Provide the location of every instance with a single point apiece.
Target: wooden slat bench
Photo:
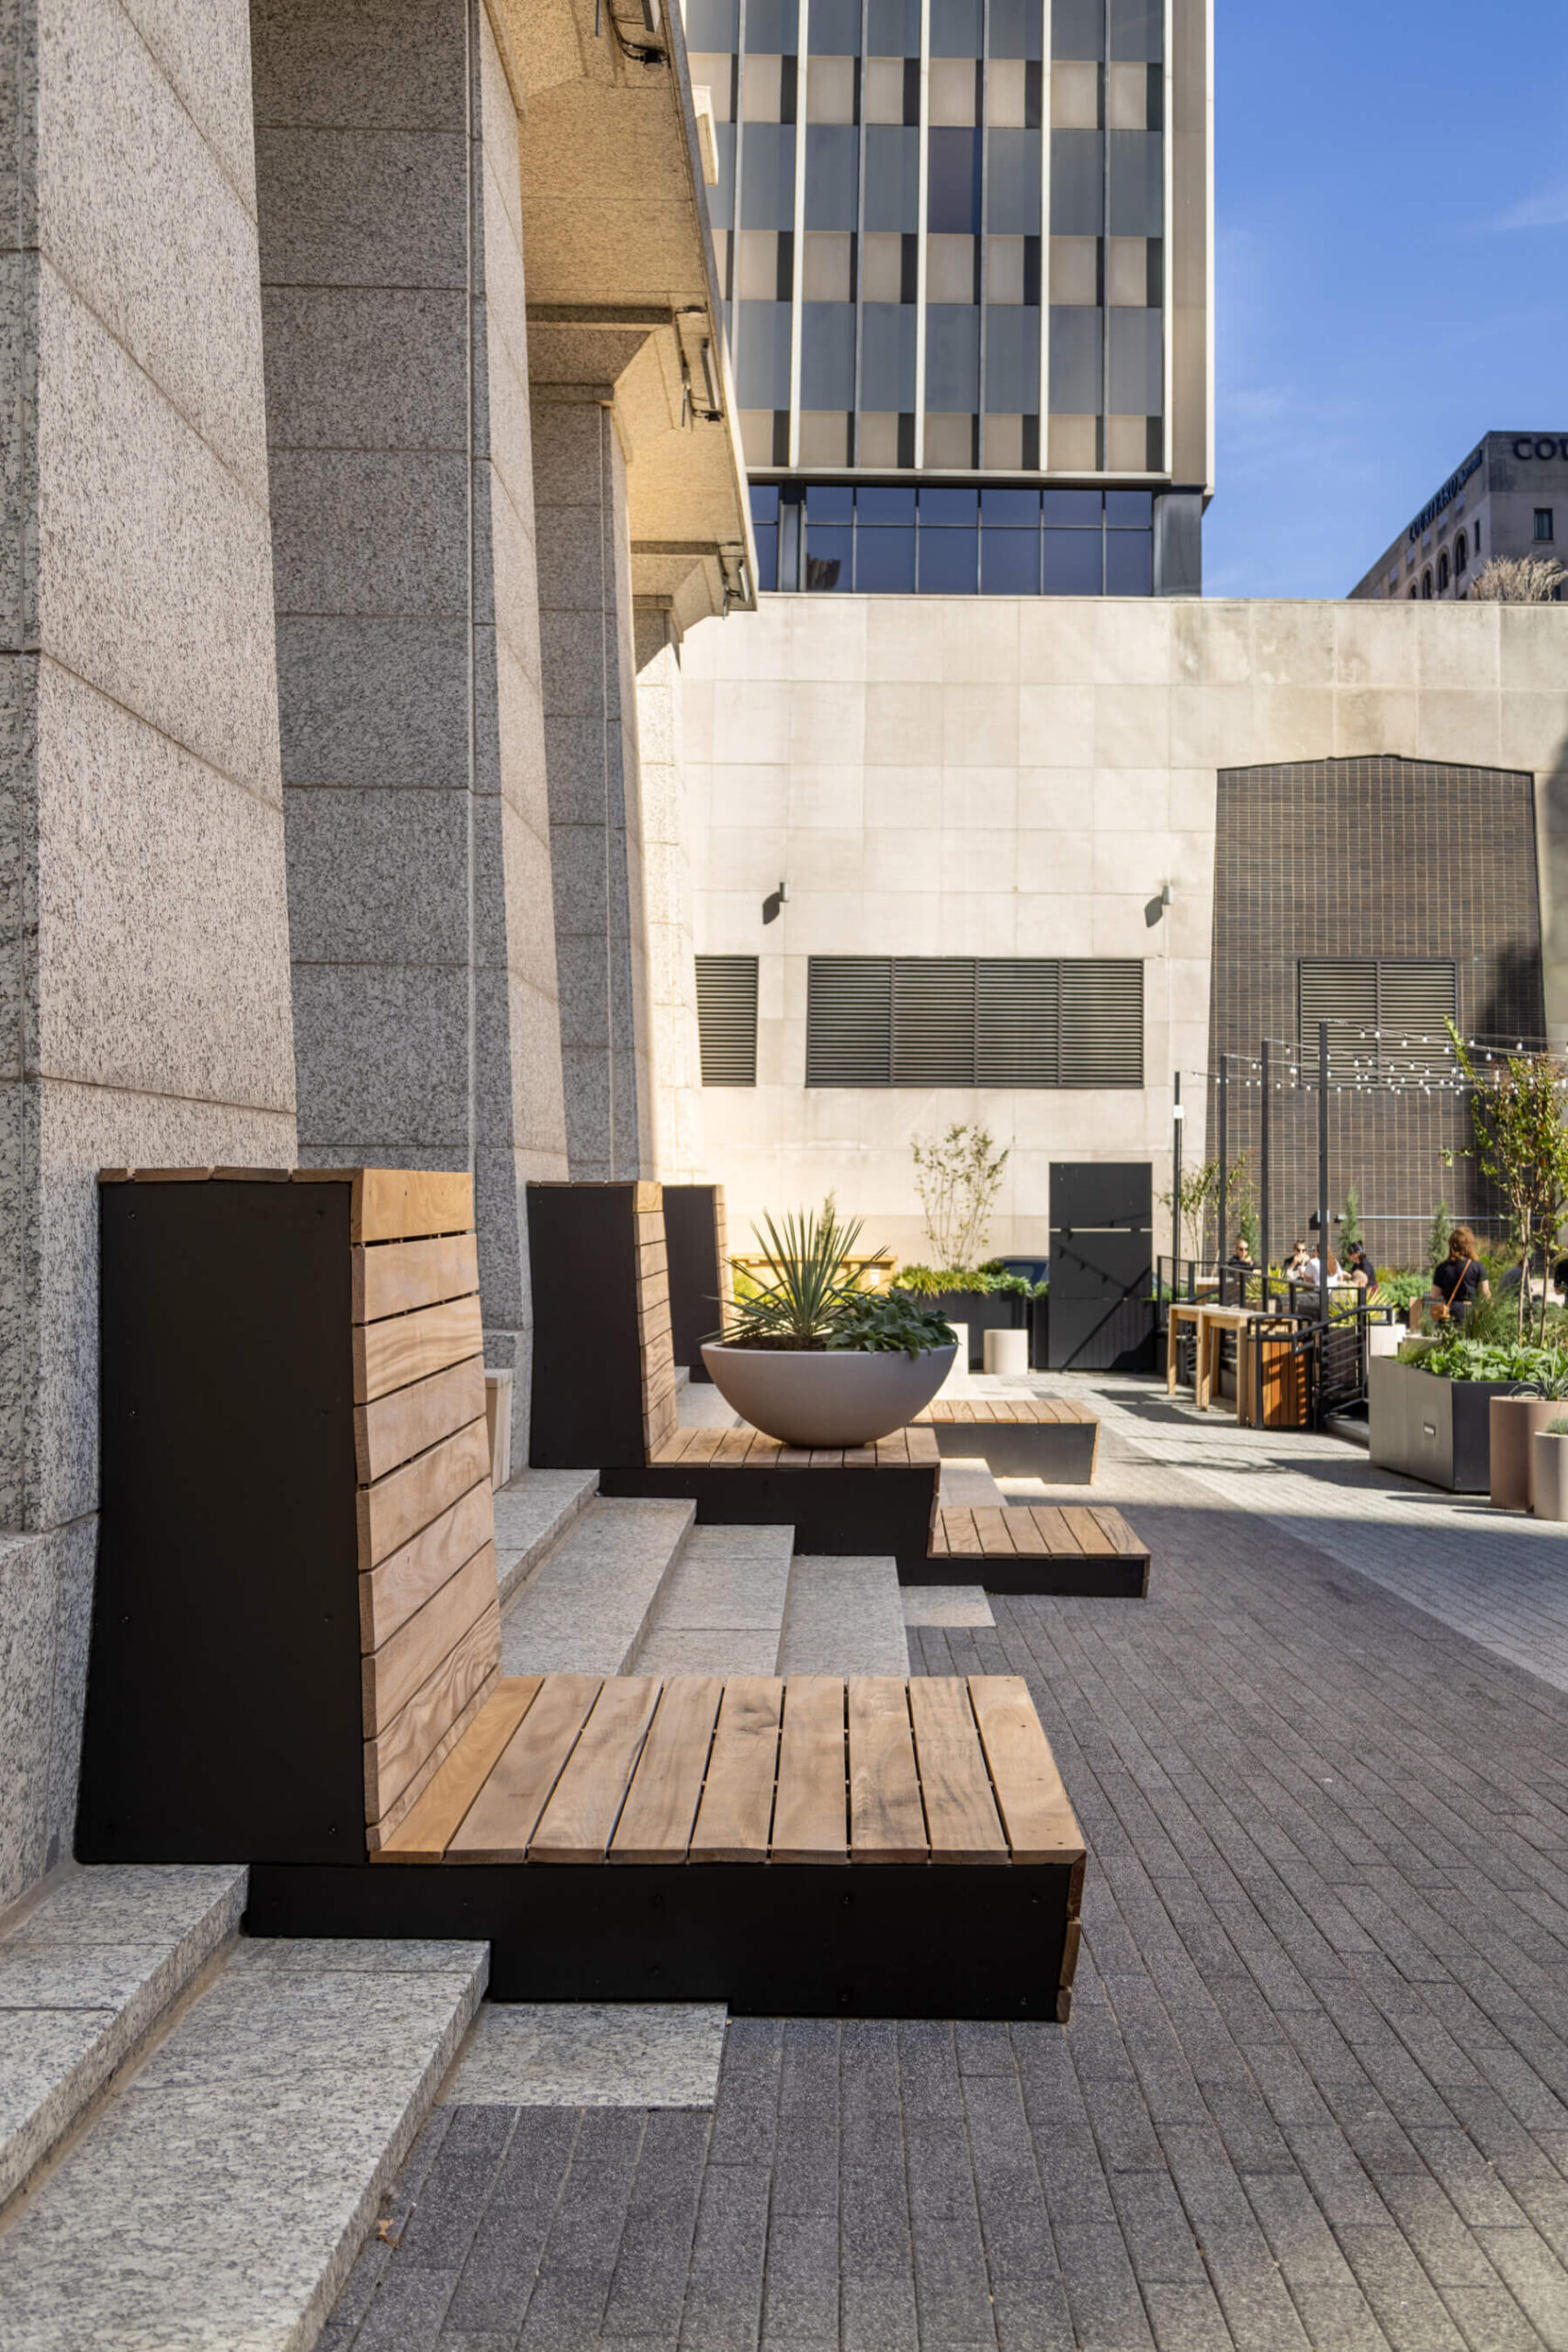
(1018, 1437)
(1035, 1547)
(296, 1663)
(804, 1846)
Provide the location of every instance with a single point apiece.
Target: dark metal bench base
(860, 1513)
(1124, 1579)
(1061, 1454)
(770, 1939)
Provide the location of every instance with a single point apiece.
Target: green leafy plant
(1400, 1288)
(1519, 1114)
(814, 1302)
(1199, 1192)
(1437, 1237)
(1558, 1426)
(958, 1177)
(880, 1322)
(1351, 1233)
(1461, 1358)
(988, 1281)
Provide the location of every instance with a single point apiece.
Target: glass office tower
(965, 249)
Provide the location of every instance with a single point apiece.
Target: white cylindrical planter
(1386, 1338)
(1006, 1352)
(1549, 1475)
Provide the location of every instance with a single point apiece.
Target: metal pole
(1176, 1119)
(1323, 1230)
(1263, 1179)
(1223, 1210)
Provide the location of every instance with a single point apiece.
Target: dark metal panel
(223, 1689)
(1101, 1193)
(691, 1238)
(586, 1407)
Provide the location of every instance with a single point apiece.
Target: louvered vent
(1386, 1013)
(849, 1020)
(1014, 1020)
(727, 1019)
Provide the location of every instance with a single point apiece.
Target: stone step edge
(515, 1570)
(605, 1503)
(26, 2152)
(677, 1551)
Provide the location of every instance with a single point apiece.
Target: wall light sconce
(1166, 894)
(774, 901)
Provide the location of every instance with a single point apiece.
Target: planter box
(1438, 1431)
(983, 1311)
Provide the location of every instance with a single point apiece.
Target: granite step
(590, 1600)
(220, 2195)
(87, 1971)
(843, 1615)
(722, 1609)
(533, 1511)
(964, 1481)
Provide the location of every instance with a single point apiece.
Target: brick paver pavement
(1314, 2088)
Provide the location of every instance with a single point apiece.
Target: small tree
(1438, 1238)
(1519, 580)
(1248, 1223)
(1350, 1234)
(1520, 1117)
(1200, 1192)
(957, 1178)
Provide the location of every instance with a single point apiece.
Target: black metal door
(1101, 1266)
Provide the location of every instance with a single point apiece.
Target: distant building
(1510, 497)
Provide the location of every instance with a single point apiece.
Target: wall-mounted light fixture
(772, 903)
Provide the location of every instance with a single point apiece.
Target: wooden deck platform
(787, 1845)
(1018, 1437)
(1034, 1547)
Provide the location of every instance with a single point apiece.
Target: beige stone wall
(992, 777)
(143, 941)
(677, 1099)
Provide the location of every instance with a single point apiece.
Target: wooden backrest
(429, 1617)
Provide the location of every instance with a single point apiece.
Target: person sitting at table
(1361, 1272)
(1242, 1254)
(1296, 1263)
(1311, 1272)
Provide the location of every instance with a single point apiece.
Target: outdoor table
(1213, 1324)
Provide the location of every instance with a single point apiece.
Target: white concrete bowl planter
(826, 1398)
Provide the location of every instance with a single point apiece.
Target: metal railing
(1304, 1368)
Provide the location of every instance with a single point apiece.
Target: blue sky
(1392, 224)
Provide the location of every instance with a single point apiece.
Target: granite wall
(425, 1016)
(144, 945)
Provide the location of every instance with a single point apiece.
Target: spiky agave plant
(804, 1302)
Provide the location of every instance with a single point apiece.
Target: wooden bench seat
(788, 1845)
(1022, 1548)
(1018, 1437)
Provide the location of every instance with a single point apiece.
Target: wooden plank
(397, 1427)
(1115, 1530)
(426, 1833)
(377, 1832)
(963, 1537)
(938, 1547)
(961, 1815)
(580, 1819)
(396, 1586)
(763, 1453)
(392, 1756)
(1034, 1808)
(398, 1504)
(1091, 1538)
(732, 1448)
(811, 1812)
(887, 1823)
(647, 1200)
(703, 1446)
(395, 1277)
(993, 1525)
(391, 1675)
(409, 1347)
(794, 1457)
(892, 1452)
(675, 1448)
(1059, 1536)
(505, 1813)
(737, 1809)
(1026, 1536)
(662, 1804)
(860, 1457)
(406, 1204)
(827, 1457)
(923, 1449)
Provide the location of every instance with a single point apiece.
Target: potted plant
(1549, 1469)
(982, 1298)
(1429, 1407)
(815, 1361)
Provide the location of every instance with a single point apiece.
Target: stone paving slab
(532, 1512)
(947, 1604)
(844, 1616)
(590, 1602)
(1314, 2091)
(590, 2054)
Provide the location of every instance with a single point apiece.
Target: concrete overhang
(623, 289)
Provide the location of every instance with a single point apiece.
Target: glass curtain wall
(942, 250)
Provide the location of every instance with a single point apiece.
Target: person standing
(1361, 1272)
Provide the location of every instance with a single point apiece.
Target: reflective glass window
(835, 27)
(832, 176)
(893, 174)
(885, 561)
(1015, 28)
(828, 501)
(828, 355)
(1010, 564)
(1129, 563)
(713, 25)
(1137, 364)
(1137, 184)
(895, 29)
(828, 556)
(952, 356)
(1073, 507)
(887, 357)
(952, 183)
(947, 561)
(1012, 193)
(1137, 29)
(1076, 352)
(770, 27)
(1015, 507)
(873, 506)
(762, 359)
(949, 507)
(1077, 27)
(767, 539)
(764, 501)
(1012, 359)
(1129, 509)
(1072, 563)
(955, 28)
(1078, 181)
(767, 180)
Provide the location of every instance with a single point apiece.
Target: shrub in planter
(985, 1299)
(813, 1359)
(1431, 1409)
